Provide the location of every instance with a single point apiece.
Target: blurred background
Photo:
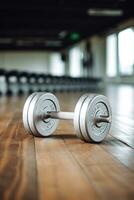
(57, 45)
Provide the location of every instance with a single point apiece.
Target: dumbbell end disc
(77, 112)
(25, 113)
(41, 104)
(93, 108)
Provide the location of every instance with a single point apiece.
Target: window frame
(118, 65)
(118, 71)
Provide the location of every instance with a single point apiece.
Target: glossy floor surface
(62, 166)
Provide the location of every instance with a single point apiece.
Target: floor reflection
(122, 100)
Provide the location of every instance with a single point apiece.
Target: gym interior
(67, 100)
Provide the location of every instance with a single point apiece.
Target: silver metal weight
(33, 114)
(92, 116)
(95, 118)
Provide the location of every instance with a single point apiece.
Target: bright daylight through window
(111, 56)
(126, 51)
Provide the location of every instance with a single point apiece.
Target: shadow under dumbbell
(65, 136)
(70, 137)
(60, 136)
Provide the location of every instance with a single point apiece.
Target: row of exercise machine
(15, 82)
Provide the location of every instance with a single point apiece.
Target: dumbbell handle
(70, 115)
(60, 115)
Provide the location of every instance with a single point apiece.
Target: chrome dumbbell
(92, 116)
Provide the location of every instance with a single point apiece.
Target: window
(75, 62)
(56, 64)
(126, 51)
(111, 55)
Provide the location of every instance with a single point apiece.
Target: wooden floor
(63, 167)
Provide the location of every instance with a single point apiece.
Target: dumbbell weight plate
(26, 110)
(40, 105)
(94, 107)
(77, 115)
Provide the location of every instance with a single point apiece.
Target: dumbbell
(12, 79)
(32, 81)
(3, 84)
(23, 82)
(40, 80)
(92, 116)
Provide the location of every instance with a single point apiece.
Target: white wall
(51, 63)
(98, 47)
(57, 66)
(75, 65)
(32, 61)
(99, 56)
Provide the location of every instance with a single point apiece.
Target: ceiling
(55, 24)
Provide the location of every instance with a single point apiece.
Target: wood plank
(110, 178)
(122, 98)
(107, 173)
(62, 166)
(18, 178)
(119, 150)
(59, 175)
